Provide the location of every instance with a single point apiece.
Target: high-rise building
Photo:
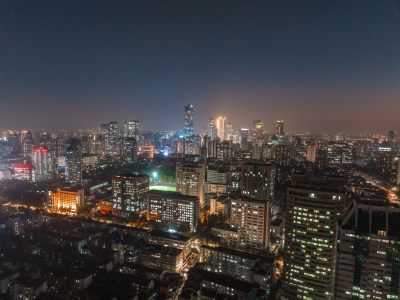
(257, 180)
(221, 128)
(111, 134)
(280, 128)
(131, 129)
(258, 132)
(313, 207)
(42, 164)
(190, 180)
(369, 253)
(73, 162)
(129, 150)
(212, 129)
(96, 144)
(174, 208)
(251, 216)
(67, 199)
(51, 143)
(27, 144)
(189, 111)
(130, 192)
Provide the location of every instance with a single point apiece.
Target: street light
(154, 175)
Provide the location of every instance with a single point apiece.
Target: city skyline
(323, 66)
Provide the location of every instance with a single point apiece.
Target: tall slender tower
(189, 112)
(220, 125)
(73, 162)
(280, 128)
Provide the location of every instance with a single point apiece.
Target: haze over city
(322, 66)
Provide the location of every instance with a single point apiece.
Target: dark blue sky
(320, 65)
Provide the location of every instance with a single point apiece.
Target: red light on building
(41, 149)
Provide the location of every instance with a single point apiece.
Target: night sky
(320, 65)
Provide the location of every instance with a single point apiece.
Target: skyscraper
(42, 164)
(111, 134)
(130, 192)
(369, 253)
(221, 127)
(258, 132)
(27, 144)
(280, 128)
(257, 180)
(251, 216)
(212, 129)
(313, 207)
(73, 162)
(190, 180)
(131, 129)
(189, 111)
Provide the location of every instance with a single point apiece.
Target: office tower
(311, 153)
(212, 129)
(22, 172)
(67, 198)
(220, 124)
(280, 128)
(130, 192)
(42, 164)
(189, 111)
(384, 159)
(216, 180)
(111, 134)
(129, 149)
(174, 208)
(190, 180)
(283, 154)
(244, 138)
(313, 206)
(258, 132)
(73, 161)
(96, 144)
(131, 129)
(27, 144)
(52, 145)
(369, 253)
(257, 180)
(251, 216)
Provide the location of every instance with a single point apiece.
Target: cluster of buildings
(247, 215)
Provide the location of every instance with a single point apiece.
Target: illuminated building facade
(251, 216)
(147, 151)
(42, 164)
(369, 253)
(280, 128)
(129, 150)
(130, 192)
(27, 144)
(67, 199)
(190, 180)
(22, 172)
(189, 114)
(174, 208)
(212, 129)
(96, 144)
(131, 129)
(257, 180)
(111, 134)
(258, 132)
(73, 162)
(313, 207)
(220, 124)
